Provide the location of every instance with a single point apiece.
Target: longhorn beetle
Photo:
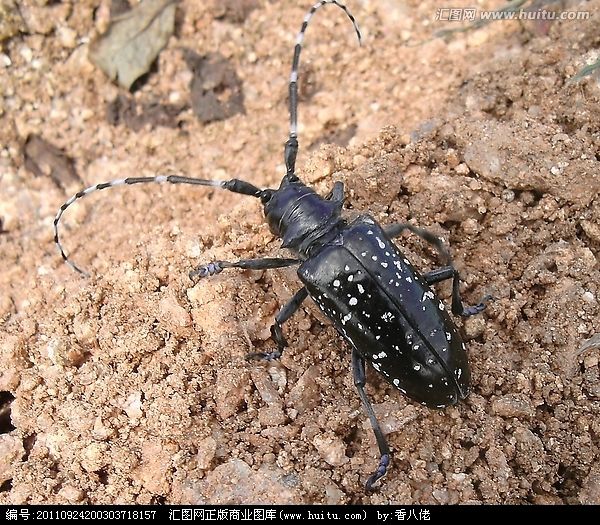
(376, 299)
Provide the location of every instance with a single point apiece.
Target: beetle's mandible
(376, 299)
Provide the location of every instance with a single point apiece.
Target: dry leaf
(133, 40)
(216, 89)
(45, 159)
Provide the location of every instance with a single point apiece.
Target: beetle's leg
(337, 192)
(289, 309)
(393, 230)
(444, 273)
(360, 380)
(439, 275)
(212, 268)
(449, 272)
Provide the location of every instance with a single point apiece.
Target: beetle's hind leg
(289, 309)
(215, 267)
(458, 308)
(442, 274)
(360, 380)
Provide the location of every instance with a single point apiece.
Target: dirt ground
(131, 386)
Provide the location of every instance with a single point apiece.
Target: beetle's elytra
(381, 305)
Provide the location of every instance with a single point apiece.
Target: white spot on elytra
(430, 385)
(346, 318)
(382, 355)
(448, 336)
(380, 242)
(374, 257)
(347, 268)
(396, 382)
(417, 367)
(384, 264)
(378, 337)
(370, 232)
(428, 295)
(458, 373)
(336, 283)
(353, 301)
(408, 280)
(360, 288)
(441, 306)
(364, 254)
(376, 366)
(350, 278)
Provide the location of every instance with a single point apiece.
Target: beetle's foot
(384, 463)
(264, 356)
(468, 311)
(206, 270)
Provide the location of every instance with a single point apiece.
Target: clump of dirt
(132, 386)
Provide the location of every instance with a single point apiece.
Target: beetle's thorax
(301, 217)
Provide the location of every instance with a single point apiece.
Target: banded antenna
(233, 185)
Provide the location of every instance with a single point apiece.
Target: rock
(133, 405)
(230, 391)
(206, 452)
(71, 494)
(154, 471)
(235, 482)
(331, 448)
(513, 405)
(590, 489)
(174, 317)
(94, 457)
(305, 394)
(11, 452)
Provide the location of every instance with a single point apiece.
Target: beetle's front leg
(215, 267)
(337, 192)
(289, 309)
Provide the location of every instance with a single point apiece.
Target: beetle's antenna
(233, 185)
(291, 146)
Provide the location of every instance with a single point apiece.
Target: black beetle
(375, 298)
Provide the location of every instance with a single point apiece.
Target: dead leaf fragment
(125, 110)
(216, 88)
(133, 41)
(45, 159)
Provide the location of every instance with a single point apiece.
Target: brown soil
(131, 386)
